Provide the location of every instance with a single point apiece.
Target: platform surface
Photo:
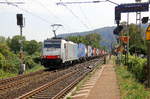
(102, 85)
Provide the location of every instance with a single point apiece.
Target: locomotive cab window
(53, 44)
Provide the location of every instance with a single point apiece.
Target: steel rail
(69, 87)
(40, 89)
(7, 80)
(13, 82)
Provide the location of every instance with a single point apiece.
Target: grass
(36, 68)
(4, 74)
(69, 97)
(129, 87)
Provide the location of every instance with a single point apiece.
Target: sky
(41, 14)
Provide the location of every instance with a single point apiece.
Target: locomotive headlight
(44, 57)
(58, 56)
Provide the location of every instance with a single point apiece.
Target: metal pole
(119, 53)
(54, 33)
(21, 52)
(128, 36)
(138, 23)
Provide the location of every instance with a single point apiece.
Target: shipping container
(89, 51)
(94, 52)
(81, 51)
(97, 52)
(71, 51)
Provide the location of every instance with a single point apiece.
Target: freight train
(58, 52)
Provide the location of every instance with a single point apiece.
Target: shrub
(137, 66)
(29, 62)
(130, 88)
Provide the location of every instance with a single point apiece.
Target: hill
(106, 34)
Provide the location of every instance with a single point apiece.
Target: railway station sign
(132, 7)
(148, 33)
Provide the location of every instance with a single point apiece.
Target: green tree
(4, 49)
(137, 44)
(2, 39)
(31, 46)
(90, 39)
(93, 40)
(15, 43)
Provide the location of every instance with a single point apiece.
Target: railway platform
(102, 85)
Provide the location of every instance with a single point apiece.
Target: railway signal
(118, 29)
(20, 24)
(20, 19)
(145, 20)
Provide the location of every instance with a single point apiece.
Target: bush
(29, 62)
(137, 66)
(36, 57)
(2, 58)
(130, 88)
(9, 55)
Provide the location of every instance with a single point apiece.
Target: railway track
(8, 80)
(60, 86)
(17, 81)
(40, 83)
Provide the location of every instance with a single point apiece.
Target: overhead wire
(56, 17)
(65, 5)
(112, 2)
(41, 18)
(48, 22)
(85, 17)
(32, 14)
(85, 25)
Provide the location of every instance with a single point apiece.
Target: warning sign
(124, 39)
(148, 33)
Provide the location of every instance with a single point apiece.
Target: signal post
(20, 24)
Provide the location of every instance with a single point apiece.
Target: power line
(41, 18)
(55, 16)
(85, 17)
(7, 2)
(34, 15)
(65, 4)
(76, 17)
(62, 3)
(112, 2)
(98, 1)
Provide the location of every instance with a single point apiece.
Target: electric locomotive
(56, 52)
